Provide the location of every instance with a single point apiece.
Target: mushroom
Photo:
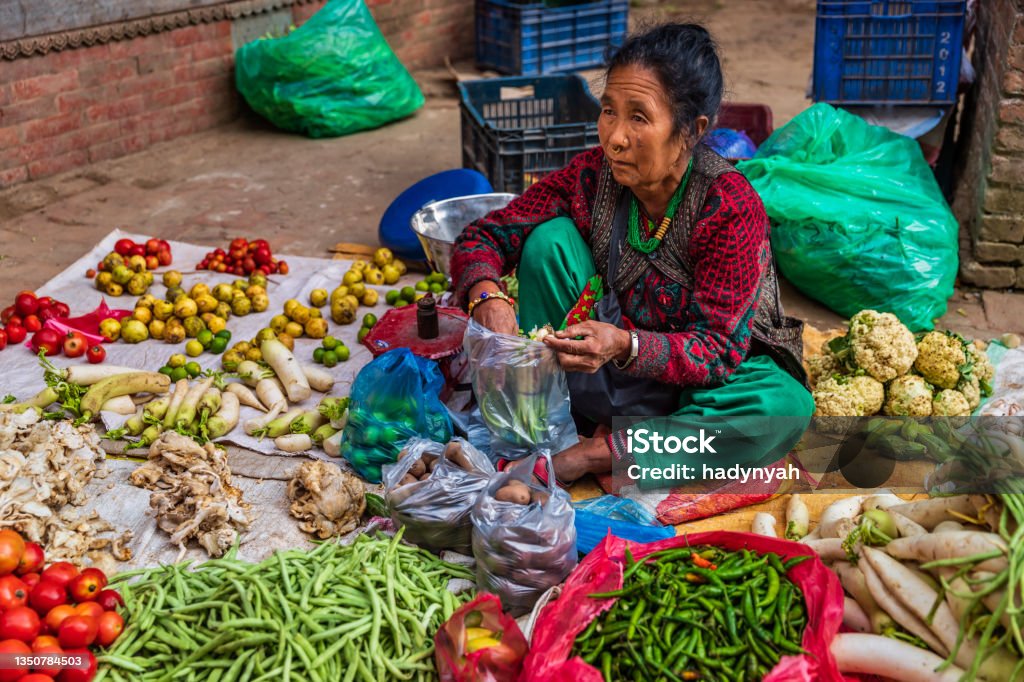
(326, 500)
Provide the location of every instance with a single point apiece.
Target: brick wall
(989, 201)
(69, 108)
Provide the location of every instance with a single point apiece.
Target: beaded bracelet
(487, 296)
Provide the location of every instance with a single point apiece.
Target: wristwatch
(634, 350)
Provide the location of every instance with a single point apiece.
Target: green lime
(318, 354)
(437, 277)
(408, 293)
(369, 319)
(166, 370)
(330, 343)
(177, 360)
(193, 348)
(178, 373)
(392, 296)
(342, 353)
(362, 334)
(330, 358)
(205, 337)
(224, 334)
(436, 288)
(218, 345)
(193, 369)
(422, 285)
(388, 435)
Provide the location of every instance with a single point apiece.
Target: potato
(432, 464)
(418, 469)
(403, 453)
(454, 454)
(407, 479)
(514, 491)
(539, 496)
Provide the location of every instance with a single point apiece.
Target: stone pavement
(304, 196)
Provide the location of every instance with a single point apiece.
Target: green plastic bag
(332, 76)
(858, 220)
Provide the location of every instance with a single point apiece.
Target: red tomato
(26, 304)
(110, 600)
(137, 250)
(31, 560)
(57, 614)
(95, 354)
(46, 301)
(75, 344)
(163, 256)
(6, 314)
(110, 627)
(15, 333)
(44, 645)
(47, 313)
(282, 267)
(43, 640)
(89, 608)
(33, 323)
(262, 256)
(60, 572)
(36, 677)
(21, 623)
(12, 546)
(239, 243)
(13, 647)
(62, 309)
(13, 592)
(47, 341)
(3, 339)
(30, 580)
(152, 246)
(47, 594)
(123, 246)
(77, 631)
(83, 671)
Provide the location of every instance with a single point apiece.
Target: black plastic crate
(534, 38)
(517, 130)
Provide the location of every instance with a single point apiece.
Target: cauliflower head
(822, 366)
(972, 392)
(950, 403)
(939, 359)
(879, 344)
(979, 368)
(840, 396)
(909, 396)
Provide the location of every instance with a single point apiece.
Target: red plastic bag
(601, 571)
(88, 325)
(494, 664)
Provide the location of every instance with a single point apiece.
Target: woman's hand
(601, 343)
(497, 315)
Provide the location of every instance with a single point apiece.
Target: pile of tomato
(51, 615)
(244, 258)
(27, 315)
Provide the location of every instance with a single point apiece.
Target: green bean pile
(364, 611)
(697, 613)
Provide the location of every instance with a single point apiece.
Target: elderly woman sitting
(672, 244)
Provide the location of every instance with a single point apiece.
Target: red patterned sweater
(687, 338)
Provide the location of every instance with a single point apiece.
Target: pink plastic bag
(601, 571)
(88, 325)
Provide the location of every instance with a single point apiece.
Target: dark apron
(611, 392)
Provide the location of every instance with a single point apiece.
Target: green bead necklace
(649, 245)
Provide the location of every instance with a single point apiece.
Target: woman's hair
(685, 59)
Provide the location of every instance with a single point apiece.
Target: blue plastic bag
(394, 398)
(619, 509)
(592, 528)
(732, 144)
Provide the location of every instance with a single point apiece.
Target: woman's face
(636, 129)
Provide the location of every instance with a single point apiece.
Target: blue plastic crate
(888, 51)
(533, 38)
(517, 130)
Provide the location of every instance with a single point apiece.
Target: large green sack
(858, 220)
(334, 75)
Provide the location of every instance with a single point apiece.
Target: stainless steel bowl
(438, 223)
